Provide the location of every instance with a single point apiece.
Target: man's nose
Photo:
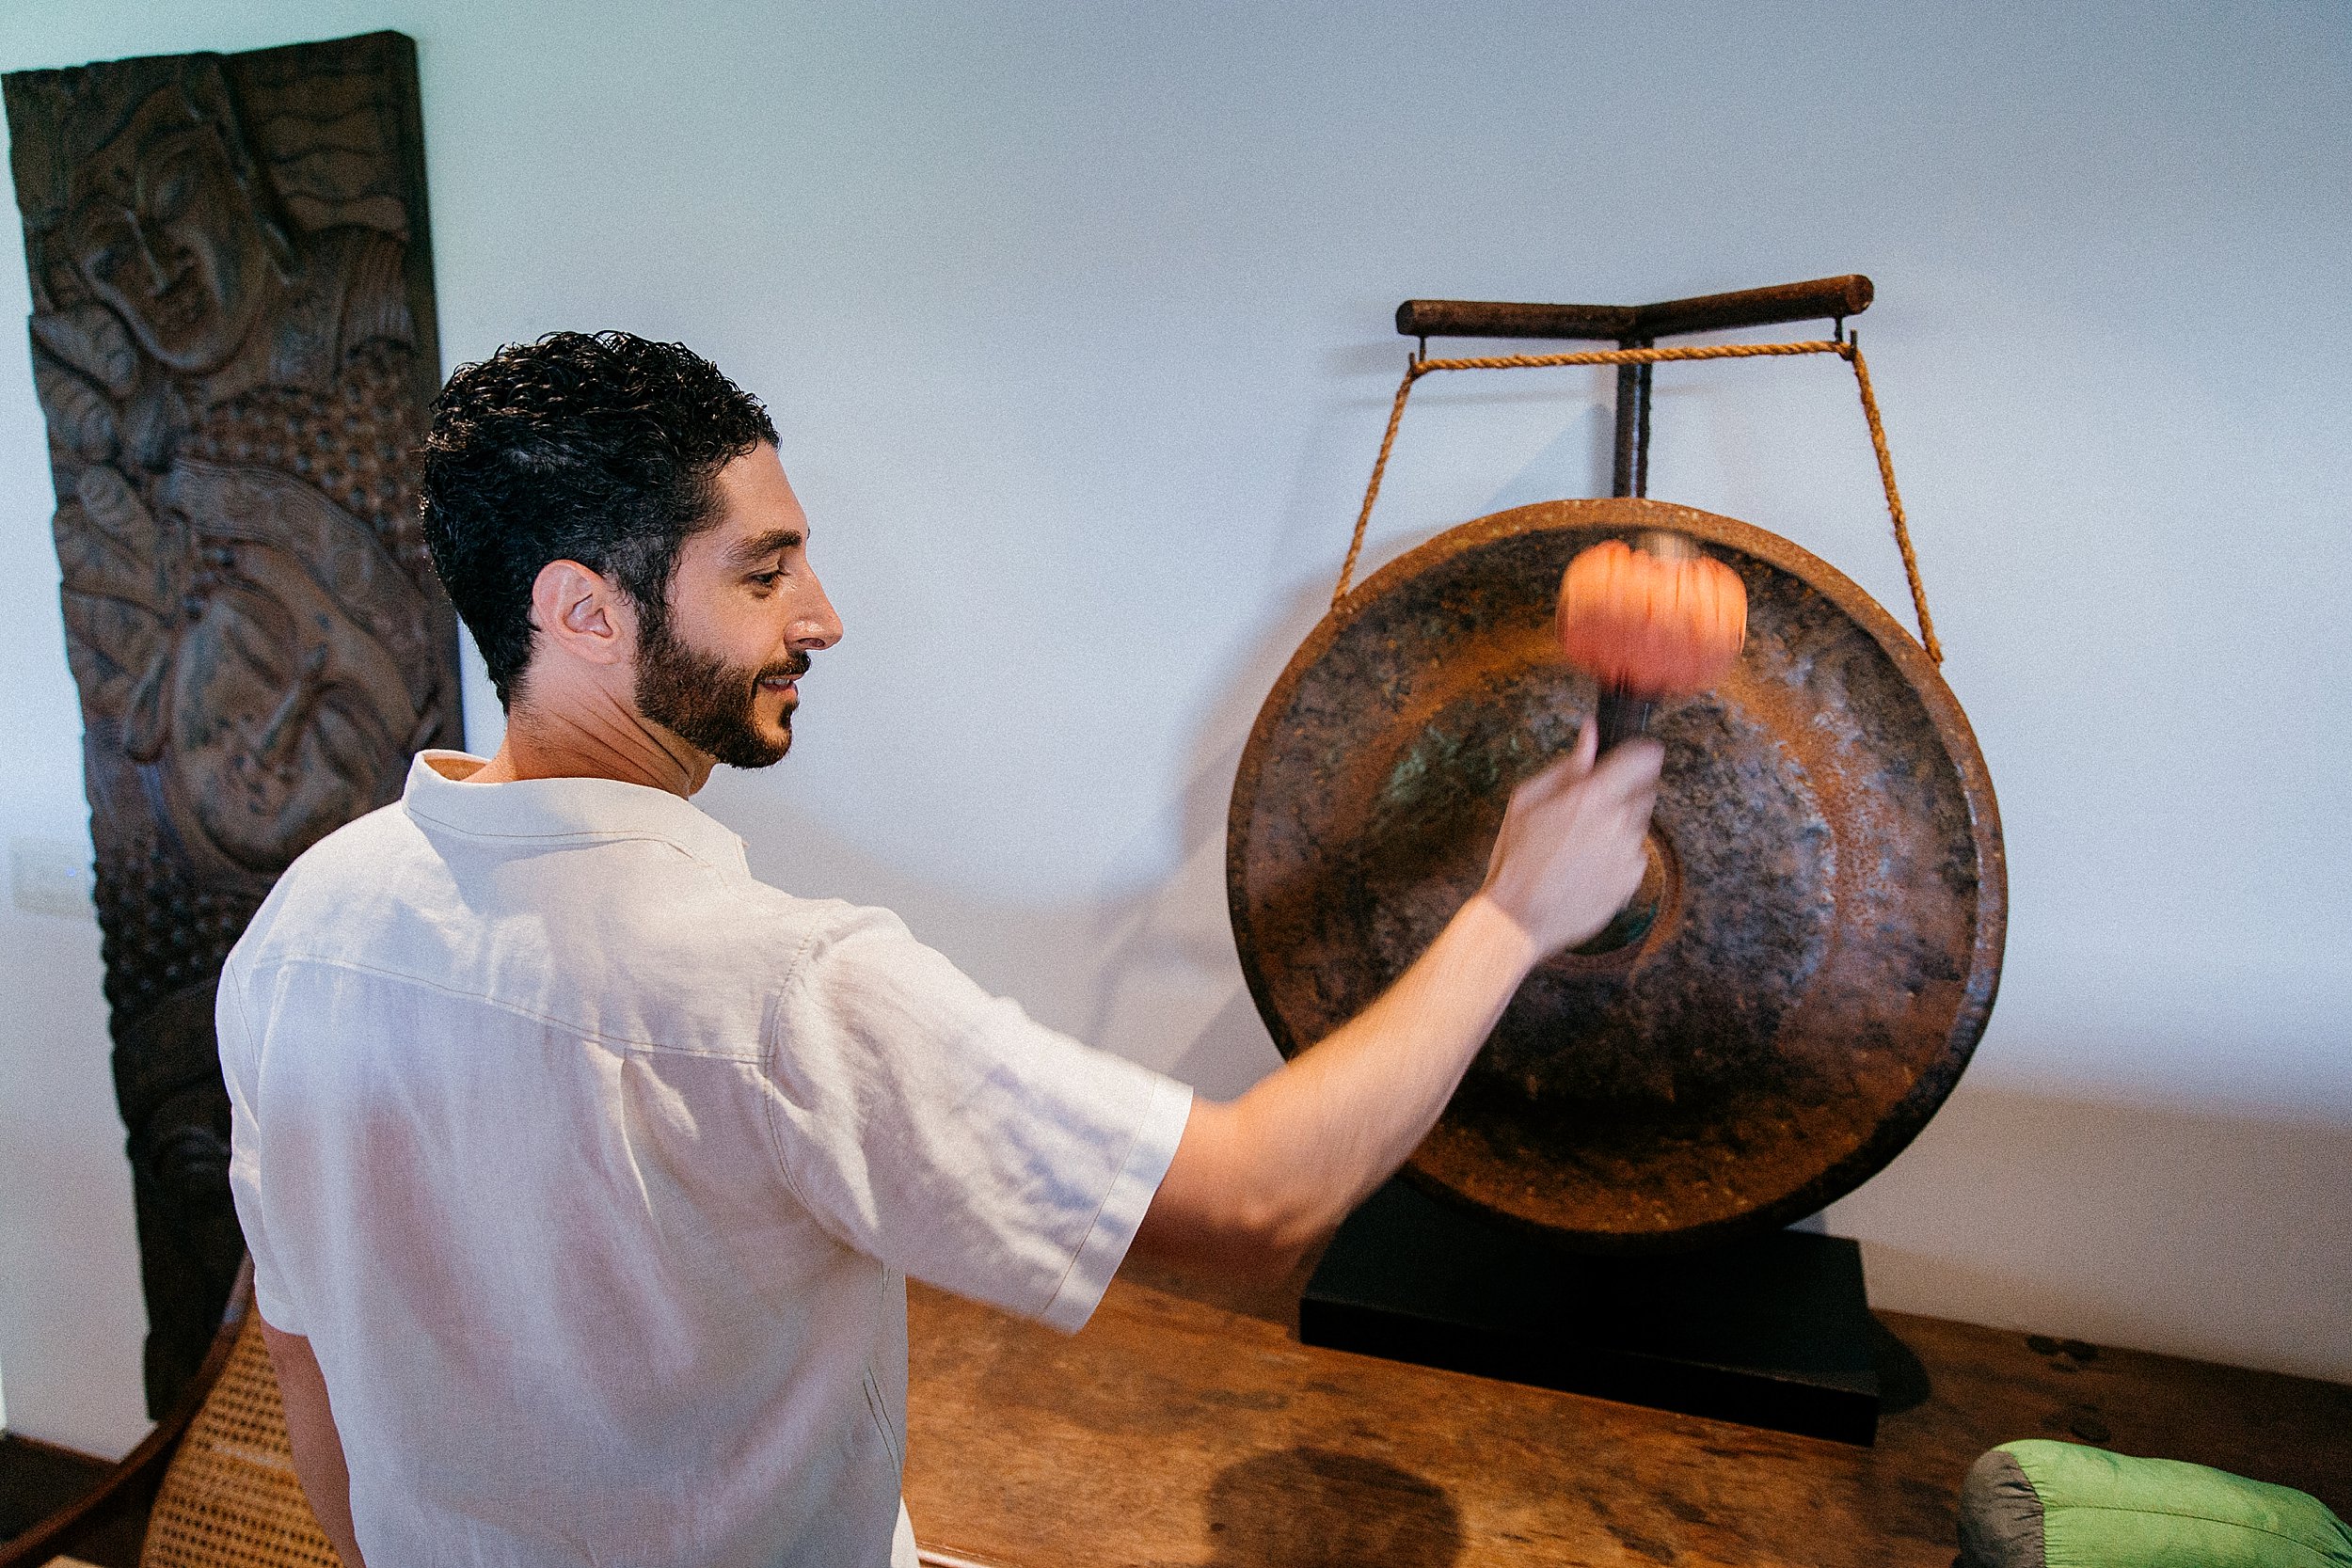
(817, 626)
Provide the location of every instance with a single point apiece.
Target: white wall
(1075, 318)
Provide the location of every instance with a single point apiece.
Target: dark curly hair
(603, 450)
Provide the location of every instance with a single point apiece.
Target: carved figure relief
(233, 342)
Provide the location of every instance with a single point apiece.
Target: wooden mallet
(1649, 620)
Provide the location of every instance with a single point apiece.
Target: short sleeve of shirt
(239, 1071)
(942, 1131)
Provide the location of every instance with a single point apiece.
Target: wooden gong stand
(1769, 1326)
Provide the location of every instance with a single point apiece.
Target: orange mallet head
(1648, 620)
(1661, 620)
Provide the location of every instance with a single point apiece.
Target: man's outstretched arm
(1257, 1181)
(318, 1448)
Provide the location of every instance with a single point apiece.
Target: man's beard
(707, 702)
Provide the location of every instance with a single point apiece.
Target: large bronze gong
(1826, 877)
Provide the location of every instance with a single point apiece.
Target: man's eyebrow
(759, 547)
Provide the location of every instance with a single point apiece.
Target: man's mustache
(788, 670)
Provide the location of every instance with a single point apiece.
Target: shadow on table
(1902, 1377)
(1314, 1508)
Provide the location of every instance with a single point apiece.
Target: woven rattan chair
(220, 1471)
(218, 1468)
(229, 1496)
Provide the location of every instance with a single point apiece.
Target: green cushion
(2039, 1504)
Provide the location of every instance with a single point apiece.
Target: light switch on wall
(50, 875)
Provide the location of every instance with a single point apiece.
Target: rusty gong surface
(1826, 876)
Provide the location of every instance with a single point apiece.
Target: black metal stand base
(1772, 1333)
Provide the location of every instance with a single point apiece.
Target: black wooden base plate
(1772, 1333)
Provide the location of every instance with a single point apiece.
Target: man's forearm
(1340, 1117)
(1260, 1180)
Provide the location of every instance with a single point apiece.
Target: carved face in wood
(300, 683)
(163, 229)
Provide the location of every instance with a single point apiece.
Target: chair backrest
(230, 1498)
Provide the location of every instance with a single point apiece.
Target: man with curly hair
(582, 1172)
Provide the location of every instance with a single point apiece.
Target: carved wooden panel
(234, 346)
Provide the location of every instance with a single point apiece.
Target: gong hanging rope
(1846, 348)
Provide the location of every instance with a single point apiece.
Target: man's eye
(767, 580)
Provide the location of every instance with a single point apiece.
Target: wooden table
(1185, 1426)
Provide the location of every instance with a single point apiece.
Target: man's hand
(1569, 853)
(1257, 1181)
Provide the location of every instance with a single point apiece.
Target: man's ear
(583, 613)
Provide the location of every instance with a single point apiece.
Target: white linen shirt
(592, 1167)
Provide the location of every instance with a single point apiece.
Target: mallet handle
(1621, 716)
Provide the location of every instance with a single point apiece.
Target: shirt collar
(561, 808)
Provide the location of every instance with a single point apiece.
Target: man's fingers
(1571, 765)
(1630, 767)
(1587, 748)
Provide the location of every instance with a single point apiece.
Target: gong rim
(1907, 1113)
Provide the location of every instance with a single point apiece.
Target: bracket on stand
(1637, 327)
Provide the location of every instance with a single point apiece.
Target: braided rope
(1847, 349)
(1631, 355)
(1894, 502)
(1372, 492)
